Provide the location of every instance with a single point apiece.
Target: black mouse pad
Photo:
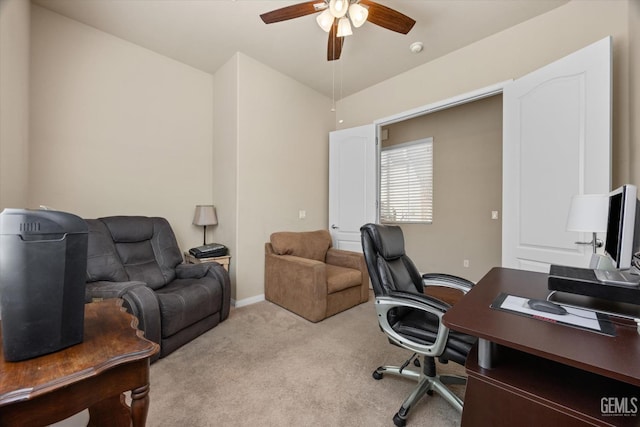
(588, 320)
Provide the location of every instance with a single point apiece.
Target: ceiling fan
(338, 15)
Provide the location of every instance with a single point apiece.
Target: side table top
(111, 338)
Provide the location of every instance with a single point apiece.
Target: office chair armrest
(447, 280)
(424, 303)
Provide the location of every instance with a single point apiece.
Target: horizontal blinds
(406, 182)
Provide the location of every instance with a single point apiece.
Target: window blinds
(406, 182)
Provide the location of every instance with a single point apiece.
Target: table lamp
(205, 215)
(588, 214)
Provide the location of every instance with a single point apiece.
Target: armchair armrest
(347, 259)
(447, 280)
(298, 284)
(424, 303)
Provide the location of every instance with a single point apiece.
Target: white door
(352, 184)
(557, 143)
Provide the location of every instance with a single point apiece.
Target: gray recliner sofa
(138, 259)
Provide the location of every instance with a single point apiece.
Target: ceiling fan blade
(294, 11)
(334, 48)
(388, 18)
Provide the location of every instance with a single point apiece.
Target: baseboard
(247, 301)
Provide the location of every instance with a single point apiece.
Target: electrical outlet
(465, 263)
(302, 214)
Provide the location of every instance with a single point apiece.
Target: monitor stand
(601, 262)
(614, 308)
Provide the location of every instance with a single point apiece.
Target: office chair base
(426, 385)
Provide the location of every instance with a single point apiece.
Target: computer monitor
(619, 243)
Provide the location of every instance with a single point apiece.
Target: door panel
(352, 184)
(557, 143)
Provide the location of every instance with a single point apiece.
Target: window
(406, 182)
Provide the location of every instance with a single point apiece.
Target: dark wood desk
(113, 358)
(529, 372)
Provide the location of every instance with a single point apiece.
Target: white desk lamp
(588, 213)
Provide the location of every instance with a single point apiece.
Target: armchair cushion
(306, 244)
(340, 278)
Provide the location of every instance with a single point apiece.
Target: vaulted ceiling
(206, 33)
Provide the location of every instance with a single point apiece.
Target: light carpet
(265, 366)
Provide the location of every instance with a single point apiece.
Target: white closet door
(352, 184)
(557, 143)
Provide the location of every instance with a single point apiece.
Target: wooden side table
(223, 260)
(112, 359)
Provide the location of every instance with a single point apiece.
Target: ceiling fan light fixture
(339, 8)
(358, 14)
(344, 27)
(325, 20)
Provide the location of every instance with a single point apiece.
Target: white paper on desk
(574, 316)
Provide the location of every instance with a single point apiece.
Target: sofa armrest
(215, 271)
(142, 302)
(192, 271)
(298, 284)
(218, 272)
(102, 289)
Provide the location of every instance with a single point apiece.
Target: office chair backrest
(389, 267)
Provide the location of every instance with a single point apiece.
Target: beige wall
(225, 160)
(467, 149)
(14, 102)
(116, 129)
(283, 152)
(509, 55)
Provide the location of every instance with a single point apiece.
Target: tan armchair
(305, 275)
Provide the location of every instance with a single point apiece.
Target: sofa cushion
(305, 244)
(341, 278)
(187, 301)
(103, 262)
(147, 248)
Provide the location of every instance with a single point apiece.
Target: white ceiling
(207, 33)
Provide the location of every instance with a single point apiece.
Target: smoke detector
(416, 47)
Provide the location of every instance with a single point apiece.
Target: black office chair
(411, 319)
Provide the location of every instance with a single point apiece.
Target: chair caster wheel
(377, 375)
(399, 421)
(416, 363)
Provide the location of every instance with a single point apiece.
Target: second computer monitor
(619, 243)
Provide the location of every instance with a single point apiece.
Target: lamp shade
(339, 8)
(358, 14)
(205, 215)
(588, 213)
(344, 27)
(325, 20)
